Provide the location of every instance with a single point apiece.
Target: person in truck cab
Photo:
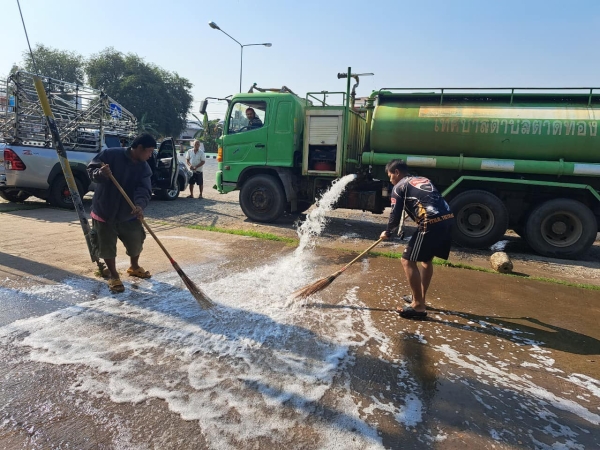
(253, 121)
(112, 217)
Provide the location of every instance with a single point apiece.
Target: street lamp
(214, 26)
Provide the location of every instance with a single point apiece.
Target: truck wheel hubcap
(475, 220)
(561, 229)
(260, 199)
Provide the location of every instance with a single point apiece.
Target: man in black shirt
(112, 217)
(426, 206)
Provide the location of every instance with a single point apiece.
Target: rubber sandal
(407, 298)
(409, 313)
(115, 285)
(139, 272)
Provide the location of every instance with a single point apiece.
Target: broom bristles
(203, 300)
(315, 287)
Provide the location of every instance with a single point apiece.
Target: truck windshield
(247, 116)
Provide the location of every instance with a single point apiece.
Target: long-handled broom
(321, 284)
(203, 300)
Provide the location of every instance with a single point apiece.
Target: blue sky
(426, 43)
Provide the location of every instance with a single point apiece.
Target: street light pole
(214, 26)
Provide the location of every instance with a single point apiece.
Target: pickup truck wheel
(14, 195)
(169, 194)
(262, 198)
(60, 195)
(561, 228)
(481, 219)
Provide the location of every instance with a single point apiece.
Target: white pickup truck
(88, 121)
(35, 171)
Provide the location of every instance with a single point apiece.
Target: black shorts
(197, 178)
(433, 240)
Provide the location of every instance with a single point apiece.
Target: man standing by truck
(434, 219)
(112, 216)
(196, 159)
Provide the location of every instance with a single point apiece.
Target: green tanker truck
(527, 159)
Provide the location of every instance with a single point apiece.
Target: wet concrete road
(501, 362)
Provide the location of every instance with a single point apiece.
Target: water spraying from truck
(316, 220)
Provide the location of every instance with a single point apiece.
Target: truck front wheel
(481, 219)
(262, 198)
(561, 228)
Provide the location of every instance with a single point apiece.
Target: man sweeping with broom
(112, 217)
(434, 219)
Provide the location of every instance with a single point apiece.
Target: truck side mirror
(203, 106)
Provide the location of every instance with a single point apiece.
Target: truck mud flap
(286, 179)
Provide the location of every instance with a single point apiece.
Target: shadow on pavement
(550, 336)
(33, 268)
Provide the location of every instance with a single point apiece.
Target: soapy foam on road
(253, 356)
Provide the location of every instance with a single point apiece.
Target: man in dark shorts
(426, 206)
(196, 159)
(112, 217)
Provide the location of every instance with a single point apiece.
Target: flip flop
(407, 298)
(115, 285)
(409, 313)
(139, 272)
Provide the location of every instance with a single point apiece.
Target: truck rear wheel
(61, 196)
(561, 228)
(262, 198)
(14, 195)
(481, 219)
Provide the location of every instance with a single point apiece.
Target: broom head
(315, 287)
(203, 300)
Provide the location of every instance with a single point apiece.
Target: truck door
(245, 139)
(165, 165)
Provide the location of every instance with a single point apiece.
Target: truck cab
(271, 139)
(281, 150)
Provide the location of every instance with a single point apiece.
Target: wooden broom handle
(361, 255)
(114, 180)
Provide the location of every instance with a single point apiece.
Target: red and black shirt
(424, 203)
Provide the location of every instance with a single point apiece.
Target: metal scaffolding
(82, 114)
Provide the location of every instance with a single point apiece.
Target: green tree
(209, 134)
(146, 127)
(58, 64)
(161, 98)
